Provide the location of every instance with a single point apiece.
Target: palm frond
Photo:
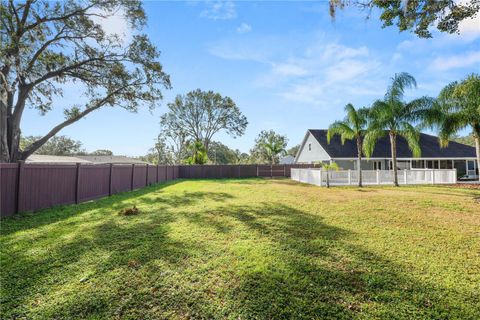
(371, 139)
(341, 128)
(400, 82)
(412, 136)
(451, 124)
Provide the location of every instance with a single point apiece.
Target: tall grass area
(248, 249)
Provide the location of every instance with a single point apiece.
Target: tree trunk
(359, 161)
(393, 144)
(328, 180)
(4, 150)
(476, 137)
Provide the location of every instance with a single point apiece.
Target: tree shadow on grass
(314, 272)
(264, 260)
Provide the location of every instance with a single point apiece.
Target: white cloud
(312, 70)
(456, 61)
(219, 10)
(470, 28)
(244, 28)
(115, 24)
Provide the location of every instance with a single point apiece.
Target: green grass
(248, 249)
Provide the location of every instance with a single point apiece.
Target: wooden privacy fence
(30, 187)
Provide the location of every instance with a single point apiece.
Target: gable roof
(428, 143)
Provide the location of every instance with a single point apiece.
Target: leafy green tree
(354, 126)
(199, 115)
(56, 146)
(198, 153)
(394, 116)
(269, 146)
(160, 153)
(416, 15)
(457, 108)
(293, 150)
(219, 153)
(102, 152)
(47, 44)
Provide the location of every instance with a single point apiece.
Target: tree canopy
(416, 15)
(48, 45)
(269, 146)
(56, 146)
(199, 115)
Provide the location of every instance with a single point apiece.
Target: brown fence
(30, 187)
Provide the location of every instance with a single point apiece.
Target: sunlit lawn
(243, 249)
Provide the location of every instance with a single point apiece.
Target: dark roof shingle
(429, 145)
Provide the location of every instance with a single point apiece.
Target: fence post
(133, 172)
(349, 177)
(257, 169)
(110, 180)
(405, 176)
(284, 170)
(21, 163)
(321, 178)
(433, 176)
(378, 176)
(455, 175)
(157, 173)
(77, 184)
(146, 177)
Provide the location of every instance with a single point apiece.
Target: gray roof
(428, 143)
(41, 158)
(111, 159)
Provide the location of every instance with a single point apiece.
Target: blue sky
(286, 65)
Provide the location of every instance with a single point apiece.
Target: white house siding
(316, 153)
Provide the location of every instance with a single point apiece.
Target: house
(314, 148)
(48, 159)
(111, 159)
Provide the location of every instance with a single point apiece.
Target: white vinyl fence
(372, 177)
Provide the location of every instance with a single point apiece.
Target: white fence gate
(374, 177)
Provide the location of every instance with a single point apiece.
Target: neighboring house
(112, 159)
(46, 159)
(288, 159)
(314, 148)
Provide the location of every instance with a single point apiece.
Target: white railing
(372, 177)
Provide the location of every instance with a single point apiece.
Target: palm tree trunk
(477, 149)
(359, 161)
(393, 144)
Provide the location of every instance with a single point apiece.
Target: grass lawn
(248, 249)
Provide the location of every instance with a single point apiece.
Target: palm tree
(273, 148)
(198, 153)
(328, 167)
(352, 127)
(456, 108)
(393, 116)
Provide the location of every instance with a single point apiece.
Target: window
(446, 164)
(309, 147)
(418, 164)
(432, 164)
(377, 165)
